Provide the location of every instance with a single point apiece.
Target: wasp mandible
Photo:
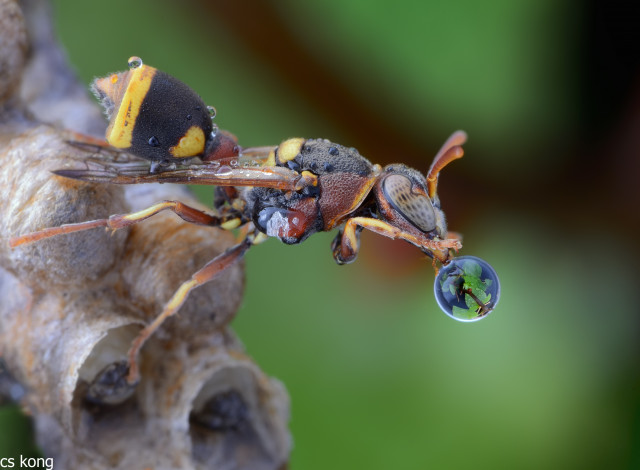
(289, 191)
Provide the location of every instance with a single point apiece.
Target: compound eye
(416, 208)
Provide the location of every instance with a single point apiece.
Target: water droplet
(234, 163)
(212, 111)
(214, 130)
(134, 62)
(224, 170)
(467, 288)
(214, 164)
(153, 141)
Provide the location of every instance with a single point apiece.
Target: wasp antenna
(450, 151)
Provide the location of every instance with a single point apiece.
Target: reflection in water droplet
(212, 111)
(224, 170)
(234, 163)
(467, 288)
(134, 62)
(214, 130)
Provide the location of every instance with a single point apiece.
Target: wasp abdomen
(153, 115)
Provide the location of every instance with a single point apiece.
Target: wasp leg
(118, 221)
(185, 212)
(94, 145)
(84, 140)
(346, 245)
(204, 275)
(345, 249)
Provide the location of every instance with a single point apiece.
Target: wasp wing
(255, 156)
(207, 173)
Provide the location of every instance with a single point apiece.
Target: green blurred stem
(483, 308)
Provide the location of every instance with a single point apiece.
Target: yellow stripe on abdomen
(121, 133)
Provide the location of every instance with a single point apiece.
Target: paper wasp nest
(71, 304)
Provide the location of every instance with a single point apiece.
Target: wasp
(289, 191)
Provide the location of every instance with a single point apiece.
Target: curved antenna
(450, 151)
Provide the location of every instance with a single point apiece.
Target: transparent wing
(129, 170)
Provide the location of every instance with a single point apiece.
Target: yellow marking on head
(190, 144)
(120, 131)
(230, 224)
(289, 149)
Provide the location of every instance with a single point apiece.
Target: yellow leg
(119, 221)
(204, 275)
(346, 248)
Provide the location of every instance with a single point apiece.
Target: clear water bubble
(234, 163)
(134, 62)
(214, 130)
(224, 170)
(212, 111)
(467, 288)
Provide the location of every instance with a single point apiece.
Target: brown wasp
(289, 191)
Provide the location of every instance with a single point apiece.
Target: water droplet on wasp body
(134, 62)
(224, 170)
(212, 111)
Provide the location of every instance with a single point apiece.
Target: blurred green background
(379, 377)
